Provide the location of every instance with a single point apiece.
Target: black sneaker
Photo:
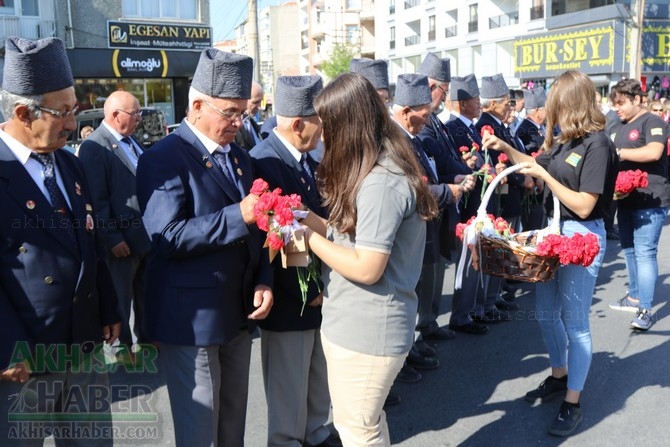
(547, 390)
(567, 421)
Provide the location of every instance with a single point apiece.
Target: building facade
(525, 40)
(150, 49)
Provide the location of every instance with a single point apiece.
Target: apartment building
(523, 39)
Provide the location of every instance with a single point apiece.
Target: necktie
(308, 171)
(222, 159)
(56, 196)
(473, 129)
(130, 144)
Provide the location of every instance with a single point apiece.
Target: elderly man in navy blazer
(294, 366)
(57, 300)
(110, 156)
(207, 278)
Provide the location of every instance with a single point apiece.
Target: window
(392, 38)
(352, 34)
(7, 7)
(473, 22)
(353, 4)
(160, 9)
(431, 28)
(30, 8)
(391, 6)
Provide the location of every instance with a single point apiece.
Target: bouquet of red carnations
(275, 215)
(629, 181)
(579, 249)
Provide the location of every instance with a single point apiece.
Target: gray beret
(376, 71)
(223, 75)
(35, 67)
(463, 88)
(535, 98)
(412, 90)
(294, 95)
(494, 87)
(436, 68)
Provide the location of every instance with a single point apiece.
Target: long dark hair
(357, 132)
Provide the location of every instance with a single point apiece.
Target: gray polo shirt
(378, 319)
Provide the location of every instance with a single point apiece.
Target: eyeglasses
(444, 92)
(230, 116)
(512, 103)
(57, 114)
(137, 114)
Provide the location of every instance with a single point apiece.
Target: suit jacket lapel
(198, 151)
(30, 198)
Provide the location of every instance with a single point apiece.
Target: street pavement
(475, 397)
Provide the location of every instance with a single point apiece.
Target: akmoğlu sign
(587, 49)
(158, 36)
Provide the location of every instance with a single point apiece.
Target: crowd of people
(168, 239)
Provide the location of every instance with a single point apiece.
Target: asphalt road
(475, 398)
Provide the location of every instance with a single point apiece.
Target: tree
(338, 62)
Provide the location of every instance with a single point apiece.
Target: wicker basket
(508, 259)
(498, 258)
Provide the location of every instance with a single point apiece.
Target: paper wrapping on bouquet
(295, 253)
(482, 226)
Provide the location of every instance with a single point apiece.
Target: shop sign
(588, 49)
(163, 36)
(149, 64)
(655, 46)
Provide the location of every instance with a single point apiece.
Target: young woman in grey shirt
(371, 247)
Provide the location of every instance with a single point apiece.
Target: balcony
(450, 31)
(511, 18)
(367, 13)
(473, 27)
(412, 40)
(412, 3)
(9, 26)
(537, 12)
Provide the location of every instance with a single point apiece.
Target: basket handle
(481, 211)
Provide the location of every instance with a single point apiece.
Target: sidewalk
(475, 398)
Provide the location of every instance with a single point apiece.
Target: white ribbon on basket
(483, 225)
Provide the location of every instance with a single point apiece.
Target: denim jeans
(562, 308)
(639, 232)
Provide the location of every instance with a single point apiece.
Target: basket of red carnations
(532, 256)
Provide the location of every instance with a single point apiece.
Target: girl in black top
(579, 166)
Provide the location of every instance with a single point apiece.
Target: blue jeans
(639, 232)
(562, 306)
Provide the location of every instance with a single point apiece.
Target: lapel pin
(235, 160)
(77, 188)
(89, 208)
(30, 204)
(302, 179)
(239, 171)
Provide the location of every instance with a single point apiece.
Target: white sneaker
(624, 304)
(643, 320)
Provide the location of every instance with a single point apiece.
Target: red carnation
(488, 129)
(503, 158)
(259, 187)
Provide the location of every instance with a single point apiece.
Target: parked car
(151, 128)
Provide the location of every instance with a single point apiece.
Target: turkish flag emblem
(633, 135)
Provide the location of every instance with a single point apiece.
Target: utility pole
(636, 40)
(252, 38)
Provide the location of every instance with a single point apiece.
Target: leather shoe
(416, 360)
(392, 399)
(424, 349)
(331, 441)
(441, 333)
(503, 304)
(470, 328)
(408, 374)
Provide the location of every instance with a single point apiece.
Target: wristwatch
(618, 152)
